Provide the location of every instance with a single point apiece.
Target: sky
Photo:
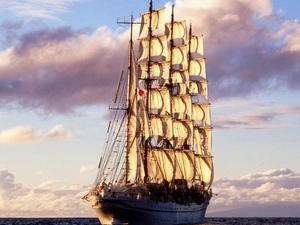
(60, 61)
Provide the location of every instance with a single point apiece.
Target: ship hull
(130, 211)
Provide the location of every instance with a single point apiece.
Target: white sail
(208, 142)
(159, 73)
(178, 107)
(182, 134)
(179, 32)
(160, 70)
(182, 107)
(198, 87)
(190, 135)
(132, 123)
(179, 89)
(197, 68)
(158, 49)
(181, 77)
(161, 128)
(196, 46)
(144, 120)
(168, 129)
(184, 165)
(188, 106)
(169, 165)
(156, 102)
(160, 163)
(179, 58)
(132, 145)
(201, 114)
(204, 169)
(160, 102)
(157, 23)
(156, 131)
(202, 140)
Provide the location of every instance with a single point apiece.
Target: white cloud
(85, 169)
(274, 189)
(24, 133)
(50, 198)
(67, 69)
(265, 189)
(5, 57)
(43, 173)
(39, 8)
(291, 29)
(253, 114)
(270, 174)
(243, 41)
(51, 184)
(7, 180)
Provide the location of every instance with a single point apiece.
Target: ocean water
(94, 221)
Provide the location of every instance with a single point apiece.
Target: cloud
(43, 173)
(275, 189)
(50, 198)
(51, 184)
(249, 50)
(7, 180)
(269, 193)
(9, 30)
(254, 115)
(86, 169)
(59, 70)
(269, 174)
(23, 134)
(39, 8)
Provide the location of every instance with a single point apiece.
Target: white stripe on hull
(136, 212)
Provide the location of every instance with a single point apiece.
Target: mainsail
(132, 121)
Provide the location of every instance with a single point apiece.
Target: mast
(130, 78)
(171, 43)
(190, 40)
(148, 90)
(171, 85)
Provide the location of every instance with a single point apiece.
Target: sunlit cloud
(24, 133)
(7, 181)
(255, 115)
(50, 198)
(86, 169)
(264, 189)
(291, 40)
(67, 69)
(249, 50)
(43, 173)
(51, 184)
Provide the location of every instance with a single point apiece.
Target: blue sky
(59, 63)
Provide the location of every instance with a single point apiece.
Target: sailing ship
(157, 166)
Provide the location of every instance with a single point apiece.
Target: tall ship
(157, 166)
